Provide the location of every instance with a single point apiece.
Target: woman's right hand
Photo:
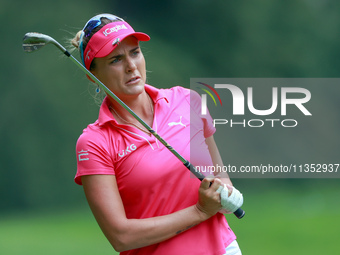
(209, 200)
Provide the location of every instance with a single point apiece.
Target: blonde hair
(75, 41)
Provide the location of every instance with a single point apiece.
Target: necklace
(139, 126)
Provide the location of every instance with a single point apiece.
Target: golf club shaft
(239, 213)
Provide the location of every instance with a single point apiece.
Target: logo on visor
(87, 55)
(114, 29)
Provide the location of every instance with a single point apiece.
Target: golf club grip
(239, 213)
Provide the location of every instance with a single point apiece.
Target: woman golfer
(143, 198)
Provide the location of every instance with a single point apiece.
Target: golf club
(34, 41)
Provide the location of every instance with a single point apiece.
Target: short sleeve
(93, 156)
(195, 105)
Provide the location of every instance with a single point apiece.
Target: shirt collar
(105, 114)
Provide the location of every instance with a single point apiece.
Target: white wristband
(233, 202)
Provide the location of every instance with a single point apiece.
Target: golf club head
(34, 41)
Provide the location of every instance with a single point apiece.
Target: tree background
(46, 101)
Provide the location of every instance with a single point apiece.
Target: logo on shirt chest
(128, 150)
(82, 155)
(177, 123)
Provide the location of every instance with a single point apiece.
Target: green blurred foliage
(289, 223)
(46, 101)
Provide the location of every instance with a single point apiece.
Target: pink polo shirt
(151, 180)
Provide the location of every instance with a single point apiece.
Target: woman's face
(123, 70)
